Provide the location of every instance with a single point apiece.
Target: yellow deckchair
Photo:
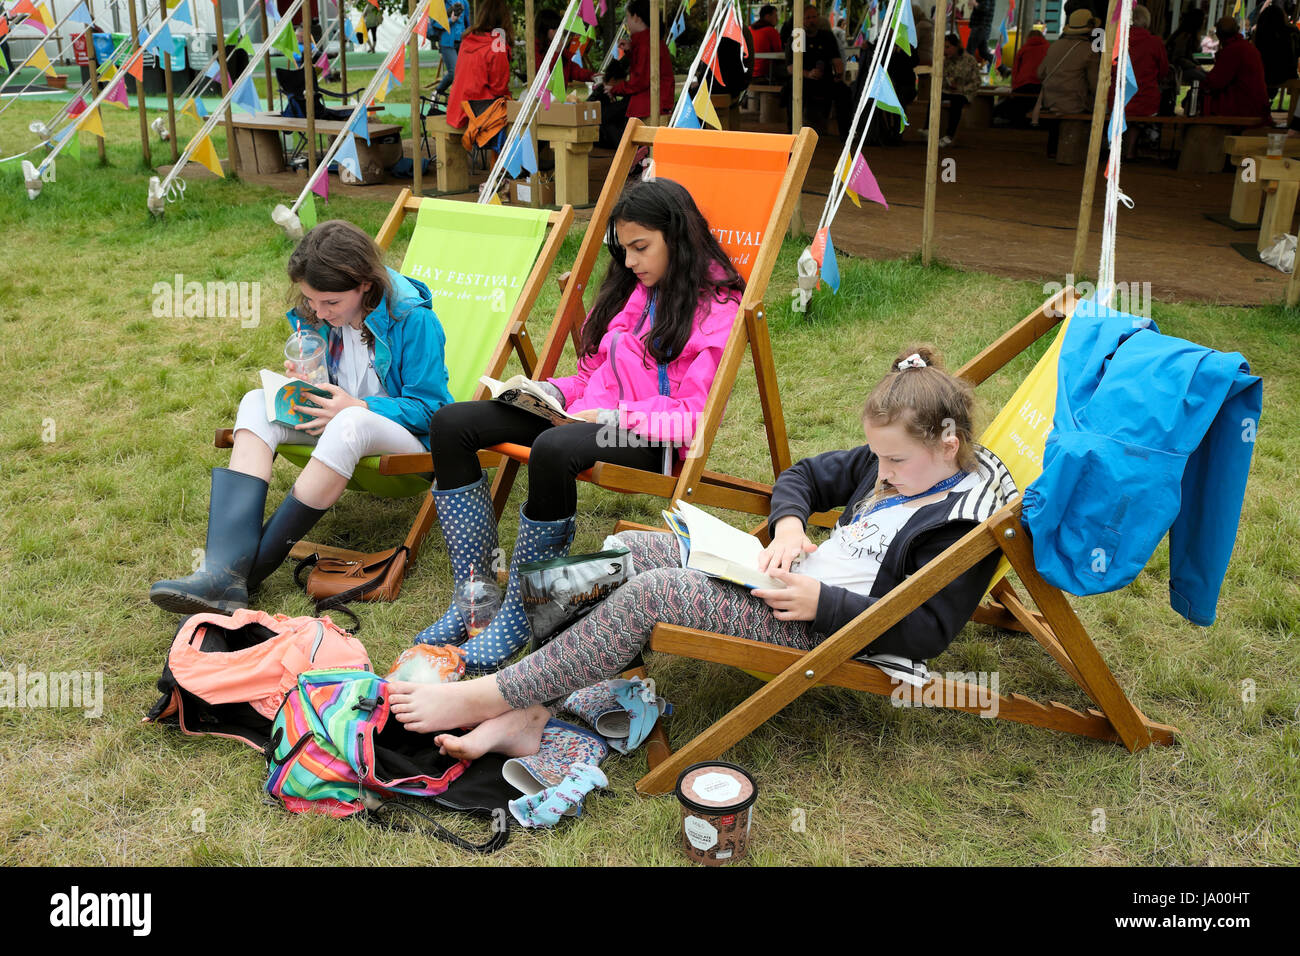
(1017, 436)
(484, 324)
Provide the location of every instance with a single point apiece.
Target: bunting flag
(704, 107)
(135, 66)
(1003, 39)
(709, 54)
(514, 161)
(830, 267)
(882, 91)
(188, 110)
(361, 125)
(587, 10)
(23, 6)
(201, 109)
(286, 41)
(678, 26)
(162, 44)
(183, 13)
(77, 107)
(818, 247)
(307, 213)
(577, 58)
(348, 31)
(381, 91)
(80, 15)
(1130, 90)
(4, 31)
(495, 200)
(321, 185)
(205, 154)
(74, 143)
(438, 14)
(574, 24)
(47, 17)
(556, 82)
(323, 63)
(213, 70)
(273, 15)
(362, 35)
(688, 119)
(863, 182)
(4, 64)
(527, 155)
(547, 99)
(732, 30)
(422, 27)
(347, 156)
(245, 44)
(848, 190)
(117, 93)
(246, 97)
(41, 61)
(905, 28)
(91, 122)
(396, 66)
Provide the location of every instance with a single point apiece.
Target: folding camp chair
(746, 185)
(484, 324)
(1054, 625)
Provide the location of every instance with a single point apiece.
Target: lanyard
(950, 482)
(649, 312)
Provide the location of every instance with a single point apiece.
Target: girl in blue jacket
(917, 486)
(387, 377)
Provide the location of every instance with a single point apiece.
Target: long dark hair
(495, 15)
(693, 252)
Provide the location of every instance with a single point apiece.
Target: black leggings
(559, 452)
(956, 103)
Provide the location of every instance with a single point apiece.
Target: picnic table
(1248, 194)
(261, 148)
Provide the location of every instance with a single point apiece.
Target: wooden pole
(1094, 147)
(232, 147)
(93, 57)
(167, 82)
(655, 78)
(266, 60)
(530, 41)
(797, 43)
(932, 139)
(309, 87)
(413, 54)
(343, 47)
(139, 88)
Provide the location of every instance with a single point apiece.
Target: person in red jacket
(766, 40)
(1150, 65)
(1014, 110)
(633, 94)
(483, 66)
(1235, 87)
(548, 24)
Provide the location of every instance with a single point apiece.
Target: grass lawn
(105, 451)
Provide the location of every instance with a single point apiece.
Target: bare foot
(516, 733)
(424, 708)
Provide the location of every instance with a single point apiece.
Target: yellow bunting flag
(91, 122)
(189, 110)
(381, 90)
(844, 178)
(41, 61)
(495, 200)
(45, 15)
(438, 13)
(704, 107)
(206, 154)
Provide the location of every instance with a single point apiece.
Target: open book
(522, 392)
(716, 548)
(282, 393)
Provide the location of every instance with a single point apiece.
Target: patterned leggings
(603, 643)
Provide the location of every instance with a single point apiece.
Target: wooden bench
(1201, 150)
(450, 159)
(1243, 211)
(767, 99)
(570, 130)
(261, 149)
(1279, 179)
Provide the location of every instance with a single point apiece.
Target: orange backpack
(227, 675)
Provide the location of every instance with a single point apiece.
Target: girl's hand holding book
(324, 409)
(797, 601)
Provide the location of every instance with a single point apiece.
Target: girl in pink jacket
(650, 348)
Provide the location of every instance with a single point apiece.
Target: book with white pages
(716, 548)
(527, 394)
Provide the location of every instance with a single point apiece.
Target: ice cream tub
(717, 801)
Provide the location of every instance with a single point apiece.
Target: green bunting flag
(287, 42)
(556, 83)
(307, 211)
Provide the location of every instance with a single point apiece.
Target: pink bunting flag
(546, 99)
(77, 107)
(323, 64)
(321, 187)
(863, 182)
(587, 10)
(117, 93)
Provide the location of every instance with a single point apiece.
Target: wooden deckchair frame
(693, 483)
(514, 340)
(1054, 626)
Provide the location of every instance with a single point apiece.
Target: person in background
(1150, 66)
(1278, 44)
(1185, 43)
(981, 22)
(766, 40)
(630, 98)
(483, 64)
(1013, 110)
(823, 73)
(1069, 72)
(372, 17)
(924, 35)
(885, 128)
(448, 44)
(1210, 42)
(961, 81)
(1235, 87)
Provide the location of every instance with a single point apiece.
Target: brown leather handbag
(333, 583)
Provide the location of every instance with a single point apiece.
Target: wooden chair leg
(657, 749)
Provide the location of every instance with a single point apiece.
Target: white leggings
(351, 435)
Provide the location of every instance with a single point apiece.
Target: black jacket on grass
(840, 479)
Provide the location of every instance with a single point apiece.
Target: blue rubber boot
(469, 526)
(220, 585)
(510, 630)
(285, 528)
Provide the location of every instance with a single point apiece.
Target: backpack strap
(498, 839)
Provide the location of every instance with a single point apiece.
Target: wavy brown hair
(336, 256)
